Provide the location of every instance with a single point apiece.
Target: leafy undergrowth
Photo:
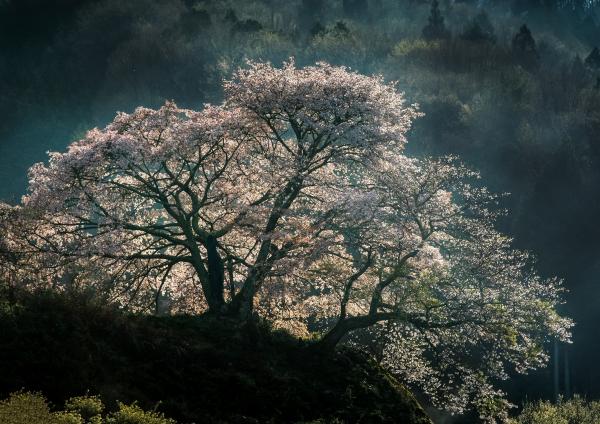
(200, 369)
(565, 411)
(32, 408)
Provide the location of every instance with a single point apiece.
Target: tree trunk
(242, 305)
(216, 276)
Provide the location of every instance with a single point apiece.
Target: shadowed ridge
(201, 369)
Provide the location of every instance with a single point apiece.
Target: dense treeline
(73, 73)
(512, 88)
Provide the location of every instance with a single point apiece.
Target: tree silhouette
(435, 28)
(524, 48)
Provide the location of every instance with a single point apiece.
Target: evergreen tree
(593, 59)
(480, 30)
(435, 28)
(524, 48)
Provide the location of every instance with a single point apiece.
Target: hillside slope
(199, 369)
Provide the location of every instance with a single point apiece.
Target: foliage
(133, 414)
(87, 407)
(565, 411)
(28, 408)
(32, 408)
(408, 47)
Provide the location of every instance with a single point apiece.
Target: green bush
(64, 417)
(88, 407)
(576, 410)
(133, 414)
(32, 408)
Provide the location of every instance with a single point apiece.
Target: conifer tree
(435, 28)
(524, 48)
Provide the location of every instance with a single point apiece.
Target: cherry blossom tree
(226, 196)
(293, 200)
